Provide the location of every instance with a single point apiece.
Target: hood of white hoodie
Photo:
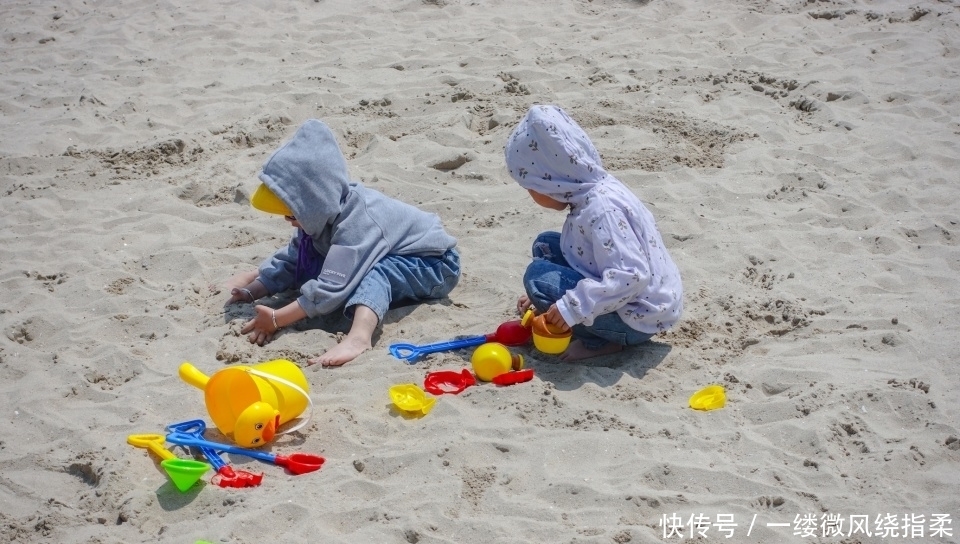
(549, 153)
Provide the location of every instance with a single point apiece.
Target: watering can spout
(193, 376)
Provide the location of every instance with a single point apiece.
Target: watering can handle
(193, 376)
(293, 386)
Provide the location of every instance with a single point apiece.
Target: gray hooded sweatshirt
(351, 227)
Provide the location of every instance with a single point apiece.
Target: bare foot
(577, 352)
(344, 352)
(358, 340)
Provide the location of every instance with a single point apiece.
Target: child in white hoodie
(607, 275)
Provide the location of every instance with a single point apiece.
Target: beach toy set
(248, 404)
(296, 463)
(546, 338)
(185, 473)
(492, 361)
(412, 400)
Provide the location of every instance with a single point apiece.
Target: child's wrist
(273, 316)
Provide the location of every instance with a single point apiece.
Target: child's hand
(523, 303)
(554, 318)
(250, 292)
(262, 327)
(238, 295)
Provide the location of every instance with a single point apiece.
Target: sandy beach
(801, 159)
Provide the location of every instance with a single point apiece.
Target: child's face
(546, 201)
(293, 221)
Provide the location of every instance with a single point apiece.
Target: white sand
(801, 158)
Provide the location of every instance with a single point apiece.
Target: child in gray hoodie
(355, 248)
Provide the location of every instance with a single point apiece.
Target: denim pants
(405, 279)
(549, 276)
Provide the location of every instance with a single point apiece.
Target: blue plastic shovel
(297, 463)
(511, 333)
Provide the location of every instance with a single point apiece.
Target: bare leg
(577, 352)
(358, 340)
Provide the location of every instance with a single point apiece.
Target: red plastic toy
(515, 377)
(448, 381)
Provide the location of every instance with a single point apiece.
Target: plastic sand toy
(184, 473)
(296, 463)
(514, 377)
(709, 398)
(511, 333)
(252, 402)
(411, 399)
(492, 359)
(226, 476)
(546, 337)
(448, 381)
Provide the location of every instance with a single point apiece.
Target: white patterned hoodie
(608, 236)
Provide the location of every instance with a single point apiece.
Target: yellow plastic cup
(252, 402)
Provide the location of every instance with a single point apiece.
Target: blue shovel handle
(411, 353)
(297, 463)
(184, 439)
(196, 428)
(192, 426)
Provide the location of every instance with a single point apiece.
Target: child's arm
(624, 273)
(248, 292)
(279, 272)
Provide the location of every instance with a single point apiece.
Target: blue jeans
(405, 279)
(549, 276)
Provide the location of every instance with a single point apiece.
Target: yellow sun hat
(265, 200)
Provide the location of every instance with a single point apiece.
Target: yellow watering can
(252, 402)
